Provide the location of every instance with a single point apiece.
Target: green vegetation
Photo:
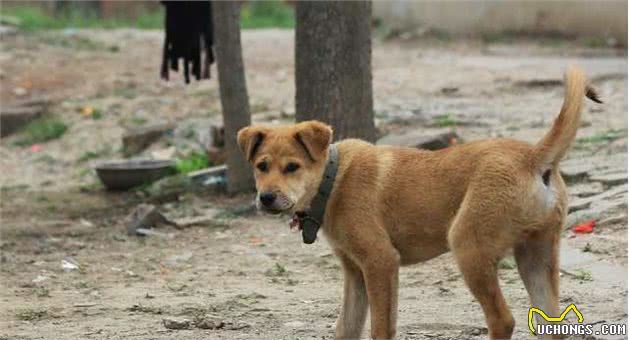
(42, 130)
(32, 18)
(138, 120)
(89, 155)
(279, 274)
(277, 270)
(255, 14)
(133, 120)
(595, 42)
(583, 275)
(139, 308)
(31, 314)
(75, 42)
(82, 284)
(42, 291)
(445, 120)
(193, 162)
(604, 137)
(97, 114)
(125, 92)
(502, 37)
(507, 263)
(512, 36)
(86, 156)
(270, 13)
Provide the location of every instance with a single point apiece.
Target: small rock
(201, 176)
(7, 30)
(574, 172)
(85, 223)
(151, 232)
(209, 322)
(178, 260)
(584, 203)
(539, 83)
(240, 210)
(146, 216)
(476, 331)
(294, 324)
(69, 265)
(137, 139)
(176, 324)
(445, 291)
(206, 219)
(164, 154)
(600, 209)
(10, 20)
(609, 179)
(418, 139)
(579, 168)
(20, 91)
(169, 188)
(586, 189)
(611, 204)
(14, 118)
(210, 180)
(618, 219)
(39, 278)
(449, 90)
(235, 326)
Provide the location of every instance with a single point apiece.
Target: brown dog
(393, 206)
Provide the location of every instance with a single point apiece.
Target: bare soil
(245, 270)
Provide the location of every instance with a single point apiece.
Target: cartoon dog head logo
(571, 307)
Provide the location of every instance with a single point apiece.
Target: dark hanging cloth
(188, 33)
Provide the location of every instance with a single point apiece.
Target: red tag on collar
(294, 224)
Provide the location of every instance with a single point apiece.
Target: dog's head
(288, 163)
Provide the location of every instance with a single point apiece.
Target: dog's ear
(314, 137)
(249, 140)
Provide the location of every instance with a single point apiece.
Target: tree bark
(333, 74)
(233, 89)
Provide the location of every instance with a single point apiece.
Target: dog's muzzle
(273, 202)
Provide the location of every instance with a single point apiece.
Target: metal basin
(126, 174)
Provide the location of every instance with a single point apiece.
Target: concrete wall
(594, 18)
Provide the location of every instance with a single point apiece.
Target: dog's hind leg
(355, 301)
(478, 239)
(537, 260)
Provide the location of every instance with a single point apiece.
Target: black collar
(312, 219)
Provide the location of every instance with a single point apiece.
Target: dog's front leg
(355, 301)
(380, 272)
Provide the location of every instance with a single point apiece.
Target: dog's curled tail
(550, 150)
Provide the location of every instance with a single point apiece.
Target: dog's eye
(262, 166)
(291, 167)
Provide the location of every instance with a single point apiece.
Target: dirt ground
(245, 271)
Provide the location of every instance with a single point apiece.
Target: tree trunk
(233, 88)
(333, 74)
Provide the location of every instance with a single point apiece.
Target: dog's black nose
(267, 198)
